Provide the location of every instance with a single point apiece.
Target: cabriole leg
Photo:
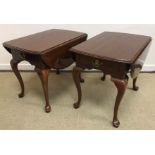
(57, 71)
(14, 65)
(43, 75)
(76, 77)
(121, 87)
(103, 77)
(134, 84)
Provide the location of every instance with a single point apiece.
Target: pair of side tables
(115, 54)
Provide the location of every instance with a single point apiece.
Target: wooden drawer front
(87, 62)
(95, 63)
(115, 69)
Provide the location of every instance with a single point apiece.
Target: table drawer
(109, 67)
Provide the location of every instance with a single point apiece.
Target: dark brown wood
(127, 47)
(14, 65)
(43, 75)
(115, 69)
(45, 42)
(134, 84)
(57, 71)
(121, 87)
(103, 77)
(76, 77)
(44, 50)
(115, 54)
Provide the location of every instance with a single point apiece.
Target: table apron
(115, 69)
(35, 60)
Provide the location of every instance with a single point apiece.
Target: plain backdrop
(13, 31)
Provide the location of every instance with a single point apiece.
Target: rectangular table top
(113, 46)
(44, 42)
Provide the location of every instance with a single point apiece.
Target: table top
(44, 42)
(114, 46)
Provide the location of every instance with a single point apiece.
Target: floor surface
(137, 110)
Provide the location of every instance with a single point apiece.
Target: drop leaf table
(44, 50)
(115, 54)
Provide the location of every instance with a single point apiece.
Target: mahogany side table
(44, 50)
(115, 54)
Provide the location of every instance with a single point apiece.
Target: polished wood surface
(115, 54)
(43, 42)
(44, 50)
(127, 47)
